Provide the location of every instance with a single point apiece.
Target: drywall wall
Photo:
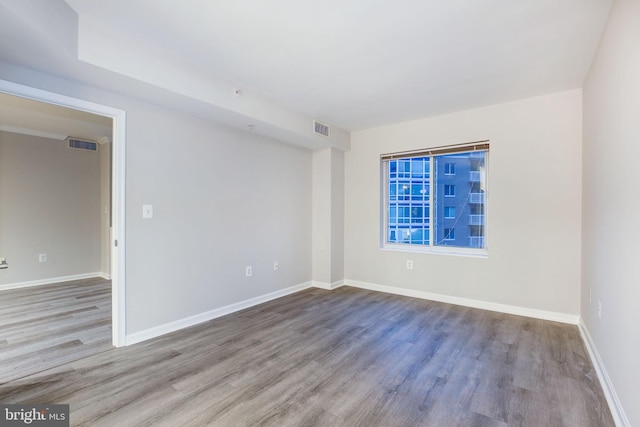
(328, 217)
(105, 209)
(533, 213)
(611, 230)
(222, 199)
(321, 217)
(49, 204)
(337, 215)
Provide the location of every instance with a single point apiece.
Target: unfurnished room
(319, 213)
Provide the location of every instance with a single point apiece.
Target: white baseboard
(619, 416)
(49, 281)
(105, 276)
(327, 286)
(157, 331)
(467, 302)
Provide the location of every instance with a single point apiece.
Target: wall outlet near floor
(42, 258)
(409, 264)
(3, 263)
(147, 211)
(599, 310)
(248, 271)
(276, 266)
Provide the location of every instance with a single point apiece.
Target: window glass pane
(405, 235)
(417, 237)
(460, 181)
(417, 190)
(404, 190)
(403, 214)
(458, 202)
(449, 212)
(417, 168)
(404, 168)
(449, 234)
(417, 215)
(408, 201)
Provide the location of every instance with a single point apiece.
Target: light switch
(147, 211)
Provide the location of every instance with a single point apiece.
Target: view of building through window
(454, 215)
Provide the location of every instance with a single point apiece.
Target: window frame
(449, 216)
(449, 233)
(449, 168)
(452, 188)
(431, 248)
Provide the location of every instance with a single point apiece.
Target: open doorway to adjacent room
(61, 229)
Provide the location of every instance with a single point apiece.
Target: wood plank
(47, 326)
(347, 357)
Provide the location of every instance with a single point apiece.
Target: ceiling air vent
(320, 129)
(82, 144)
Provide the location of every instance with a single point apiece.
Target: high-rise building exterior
(457, 205)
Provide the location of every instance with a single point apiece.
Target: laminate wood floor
(347, 357)
(43, 327)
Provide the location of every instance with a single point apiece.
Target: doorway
(116, 239)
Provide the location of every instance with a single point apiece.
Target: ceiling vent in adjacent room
(82, 144)
(322, 130)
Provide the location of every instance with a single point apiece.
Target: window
(449, 190)
(449, 168)
(450, 212)
(416, 187)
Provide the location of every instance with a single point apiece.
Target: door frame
(118, 181)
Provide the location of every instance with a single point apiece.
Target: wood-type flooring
(42, 327)
(347, 357)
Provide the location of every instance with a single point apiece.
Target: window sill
(438, 250)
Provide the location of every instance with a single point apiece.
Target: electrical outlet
(248, 271)
(276, 266)
(42, 258)
(409, 264)
(147, 211)
(599, 310)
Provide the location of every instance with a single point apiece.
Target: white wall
(533, 214)
(337, 215)
(49, 203)
(611, 230)
(105, 209)
(321, 217)
(222, 198)
(328, 217)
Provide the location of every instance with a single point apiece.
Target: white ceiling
(355, 64)
(26, 116)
